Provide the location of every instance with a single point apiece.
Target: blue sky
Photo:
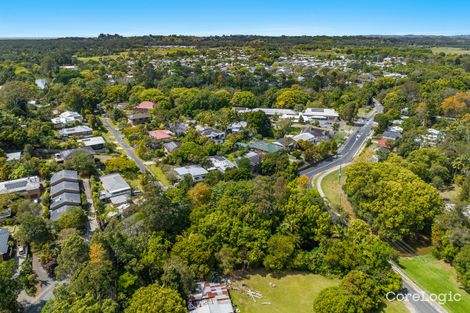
(57, 18)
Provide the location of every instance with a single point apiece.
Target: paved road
(345, 155)
(349, 149)
(128, 149)
(413, 291)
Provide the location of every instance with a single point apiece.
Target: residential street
(347, 152)
(128, 149)
(349, 149)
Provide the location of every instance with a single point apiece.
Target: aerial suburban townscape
(219, 173)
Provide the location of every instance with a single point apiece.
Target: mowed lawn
(435, 276)
(294, 293)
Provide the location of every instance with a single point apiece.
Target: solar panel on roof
(14, 185)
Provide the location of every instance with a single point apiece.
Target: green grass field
(450, 50)
(435, 276)
(332, 187)
(294, 293)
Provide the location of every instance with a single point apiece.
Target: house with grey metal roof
(4, 236)
(81, 130)
(63, 187)
(96, 143)
(196, 172)
(64, 175)
(114, 185)
(56, 214)
(67, 198)
(67, 154)
(253, 157)
(169, 147)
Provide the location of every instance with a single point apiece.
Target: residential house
(81, 130)
(138, 118)
(196, 172)
(169, 147)
(114, 185)
(65, 193)
(95, 143)
(210, 297)
(63, 176)
(220, 163)
(391, 135)
(13, 156)
(264, 147)
(65, 199)
(145, 106)
(161, 134)
(253, 157)
(178, 128)
(4, 236)
(67, 118)
(67, 154)
(431, 138)
(286, 143)
(30, 187)
(237, 127)
(319, 134)
(216, 135)
(305, 137)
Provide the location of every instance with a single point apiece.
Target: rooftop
(4, 235)
(20, 185)
(146, 105)
(64, 174)
(193, 170)
(114, 183)
(265, 146)
(161, 134)
(75, 130)
(65, 185)
(92, 141)
(66, 198)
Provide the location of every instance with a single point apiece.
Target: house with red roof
(145, 106)
(161, 134)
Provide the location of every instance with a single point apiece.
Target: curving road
(349, 149)
(345, 155)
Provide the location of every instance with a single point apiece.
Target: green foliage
(156, 299)
(244, 99)
(73, 218)
(9, 286)
(395, 201)
(80, 162)
(462, 266)
(73, 254)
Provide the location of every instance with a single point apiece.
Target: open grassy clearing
(332, 185)
(450, 50)
(437, 277)
(294, 292)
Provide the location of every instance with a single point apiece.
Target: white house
(66, 118)
(196, 172)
